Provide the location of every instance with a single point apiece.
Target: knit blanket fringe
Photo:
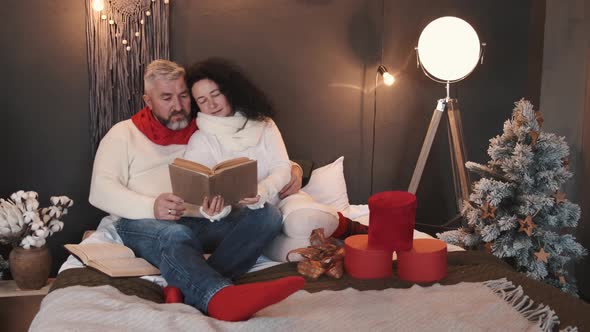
(546, 318)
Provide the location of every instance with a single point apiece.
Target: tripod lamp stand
(448, 51)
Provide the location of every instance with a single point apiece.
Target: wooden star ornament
(534, 137)
(489, 246)
(527, 225)
(488, 211)
(559, 197)
(539, 118)
(542, 255)
(565, 162)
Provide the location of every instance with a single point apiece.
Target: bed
(480, 292)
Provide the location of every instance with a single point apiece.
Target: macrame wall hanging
(122, 37)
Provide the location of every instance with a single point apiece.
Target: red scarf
(158, 133)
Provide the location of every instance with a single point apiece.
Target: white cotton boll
(29, 216)
(40, 243)
(5, 230)
(70, 203)
(32, 194)
(46, 218)
(40, 233)
(13, 197)
(54, 200)
(30, 204)
(35, 226)
(64, 200)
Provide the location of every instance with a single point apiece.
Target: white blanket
(490, 306)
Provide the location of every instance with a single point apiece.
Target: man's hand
(168, 207)
(295, 184)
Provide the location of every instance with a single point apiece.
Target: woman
(235, 120)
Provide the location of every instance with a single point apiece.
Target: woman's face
(210, 100)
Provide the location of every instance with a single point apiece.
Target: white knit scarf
(235, 133)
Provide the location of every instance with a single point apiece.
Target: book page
(230, 163)
(193, 166)
(125, 267)
(97, 251)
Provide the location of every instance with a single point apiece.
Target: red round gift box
(425, 262)
(362, 262)
(392, 219)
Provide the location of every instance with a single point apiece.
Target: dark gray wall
(316, 59)
(565, 103)
(44, 105)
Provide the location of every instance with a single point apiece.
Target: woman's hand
(168, 207)
(294, 184)
(250, 200)
(214, 206)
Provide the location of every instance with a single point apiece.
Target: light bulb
(98, 5)
(388, 79)
(449, 48)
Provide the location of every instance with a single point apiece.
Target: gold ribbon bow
(324, 256)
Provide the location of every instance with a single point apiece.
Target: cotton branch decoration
(23, 223)
(517, 209)
(122, 37)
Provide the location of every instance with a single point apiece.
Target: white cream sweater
(130, 171)
(209, 147)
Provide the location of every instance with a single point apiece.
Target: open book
(233, 179)
(115, 260)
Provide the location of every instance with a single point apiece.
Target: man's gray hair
(161, 69)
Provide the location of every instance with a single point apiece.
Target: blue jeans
(177, 248)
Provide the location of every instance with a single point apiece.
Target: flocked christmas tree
(517, 208)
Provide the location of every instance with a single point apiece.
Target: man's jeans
(177, 248)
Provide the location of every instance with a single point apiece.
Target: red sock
(347, 227)
(173, 295)
(236, 303)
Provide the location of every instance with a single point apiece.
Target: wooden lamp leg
(432, 128)
(457, 145)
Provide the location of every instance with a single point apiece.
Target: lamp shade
(449, 48)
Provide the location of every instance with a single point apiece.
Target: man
(130, 180)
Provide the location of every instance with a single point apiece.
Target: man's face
(170, 102)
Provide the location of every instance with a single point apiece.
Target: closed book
(232, 179)
(112, 259)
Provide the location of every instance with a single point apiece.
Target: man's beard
(174, 125)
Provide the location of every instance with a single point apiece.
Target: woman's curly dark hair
(240, 92)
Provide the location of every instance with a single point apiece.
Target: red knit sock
(347, 227)
(173, 295)
(236, 303)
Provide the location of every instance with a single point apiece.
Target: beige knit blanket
(490, 306)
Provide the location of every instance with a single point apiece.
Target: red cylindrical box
(361, 262)
(391, 220)
(425, 262)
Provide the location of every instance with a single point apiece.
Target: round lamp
(448, 49)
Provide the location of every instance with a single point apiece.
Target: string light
(148, 13)
(103, 16)
(137, 34)
(98, 5)
(111, 22)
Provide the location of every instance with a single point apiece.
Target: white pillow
(327, 185)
